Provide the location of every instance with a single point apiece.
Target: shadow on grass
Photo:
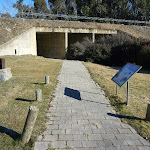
(120, 103)
(39, 83)
(126, 117)
(72, 93)
(116, 102)
(13, 134)
(22, 99)
(144, 71)
(115, 67)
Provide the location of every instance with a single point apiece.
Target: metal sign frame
(123, 76)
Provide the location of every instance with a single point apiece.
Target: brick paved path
(81, 118)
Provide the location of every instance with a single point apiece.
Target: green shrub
(112, 50)
(98, 53)
(77, 50)
(122, 54)
(144, 56)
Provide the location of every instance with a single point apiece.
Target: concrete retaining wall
(21, 45)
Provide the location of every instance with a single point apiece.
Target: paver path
(81, 118)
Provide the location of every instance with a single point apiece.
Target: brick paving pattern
(81, 118)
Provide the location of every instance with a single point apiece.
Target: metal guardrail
(79, 18)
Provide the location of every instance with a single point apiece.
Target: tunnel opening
(77, 37)
(51, 44)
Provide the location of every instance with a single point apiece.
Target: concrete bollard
(29, 124)
(39, 95)
(46, 79)
(148, 112)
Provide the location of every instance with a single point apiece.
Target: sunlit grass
(18, 94)
(139, 95)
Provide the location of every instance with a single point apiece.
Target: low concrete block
(5, 74)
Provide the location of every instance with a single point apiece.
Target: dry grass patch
(138, 100)
(18, 94)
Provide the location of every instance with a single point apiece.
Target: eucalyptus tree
(40, 6)
(19, 5)
(57, 6)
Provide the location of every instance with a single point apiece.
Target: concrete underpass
(49, 42)
(51, 45)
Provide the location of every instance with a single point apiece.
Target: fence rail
(79, 18)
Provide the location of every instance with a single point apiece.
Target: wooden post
(46, 79)
(39, 95)
(148, 112)
(29, 124)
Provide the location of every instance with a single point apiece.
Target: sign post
(116, 89)
(124, 75)
(127, 92)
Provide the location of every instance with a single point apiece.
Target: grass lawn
(138, 100)
(18, 94)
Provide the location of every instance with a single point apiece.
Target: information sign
(125, 74)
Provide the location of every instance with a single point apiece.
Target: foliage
(22, 8)
(62, 6)
(5, 15)
(40, 6)
(122, 54)
(112, 50)
(70, 7)
(144, 55)
(133, 9)
(19, 5)
(57, 6)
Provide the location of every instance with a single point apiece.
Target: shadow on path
(76, 95)
(72, 93)
(13, 134)
(122, 116)
(95, 102)
(91, 92)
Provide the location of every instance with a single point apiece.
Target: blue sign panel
(125, 74)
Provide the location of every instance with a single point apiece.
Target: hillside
(11, 27)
